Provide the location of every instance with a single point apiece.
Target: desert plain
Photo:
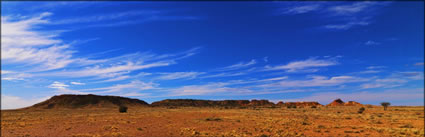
(215, 121)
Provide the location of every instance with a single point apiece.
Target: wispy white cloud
(227, 87)
(134, 85)
(78, 83)
(384, 83)
(238, 65)
(347, 25)
(266, 59)
(135, 94)
(230, 74)
(106, 17)
(22, 44)
(419, 64)
(301, 9)
(354, 8)
(112, 71)
(58, 85)
(370, 42)
(304, 65)
(411, 75)
(225, 74)
(369, 72)
(115, 78)
(376, 67)
(179, 75)
(119, 68)
(317, 81)
(210, 88)
(6, 72)
(144, 20)
(347, 14)
(38, 49)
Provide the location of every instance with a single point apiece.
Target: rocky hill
(352, 103)
(339, 102)
(88, 101)
(300, 104)
(96, 101)
(211, 103)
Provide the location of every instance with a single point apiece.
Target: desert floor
(324, 121)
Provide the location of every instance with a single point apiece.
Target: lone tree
(385, 105)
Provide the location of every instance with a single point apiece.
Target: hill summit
(88, 101)
(339, 102)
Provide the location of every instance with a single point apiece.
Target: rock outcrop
(211, 103)
(88, 101)
(302, 104)
(339, 102)
(352, 103)
(336, 102)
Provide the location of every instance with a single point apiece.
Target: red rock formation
(337, 102)
(87, 101)
(260, 103)
(211, 103)
(280, 103)
(302, 104)
(352, 103)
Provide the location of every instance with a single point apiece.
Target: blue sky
(281, 51)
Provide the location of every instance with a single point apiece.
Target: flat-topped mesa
(88, 101)
(261, 103)
(301, 104)
(210, 103)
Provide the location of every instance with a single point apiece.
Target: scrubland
(191, 121)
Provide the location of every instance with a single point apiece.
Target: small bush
(263, 135)
(407, 126)
(291, 106)
(313, 106)
(213, 119)
(123, 109)
(360, 111)
(348, 131)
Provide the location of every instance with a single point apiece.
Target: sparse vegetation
(213, 121)
(360, 111)
(406, 126)
(291, 106)
(122, 109)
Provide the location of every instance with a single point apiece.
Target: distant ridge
(97, 101)
(339, 102)
(87, 101)
(211, 103)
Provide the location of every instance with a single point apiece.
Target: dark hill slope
(88, 101)
(210, 103)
